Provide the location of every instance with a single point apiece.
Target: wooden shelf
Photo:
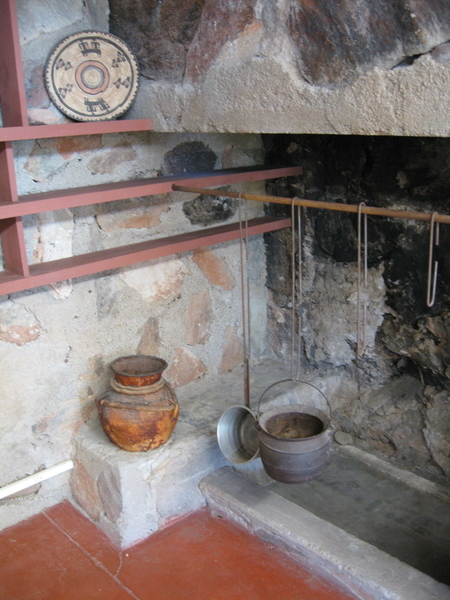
(114, 258)
(109, 192)
(18, 274)
(39, 132)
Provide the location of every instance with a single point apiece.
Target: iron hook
(432, 273)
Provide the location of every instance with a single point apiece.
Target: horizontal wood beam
(39, 132)
(337, 206)
(115, 258)
(109, 192)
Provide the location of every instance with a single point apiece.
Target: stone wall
(56, 342)
(367, 67)
(214, 75)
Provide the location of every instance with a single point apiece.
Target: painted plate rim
(65, 107)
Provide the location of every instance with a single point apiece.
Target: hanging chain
(361, 326)
(296, 300)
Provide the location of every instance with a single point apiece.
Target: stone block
(122, 504)
(233, 351)
(210, 39)
(206, 210)
(85, 490)
(129, 495)
(198, 318)
(17, 324)
(150, 339)
(214, 268)
(185, 368)
(135, 213)
(189, 157)
(437, 429)
(107, 162)
(109, 490)
(158, 282)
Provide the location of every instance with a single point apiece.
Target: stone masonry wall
(372, 67)
(56, 342)
(212, 73)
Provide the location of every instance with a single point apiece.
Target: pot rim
(148, 373)
(298, 408)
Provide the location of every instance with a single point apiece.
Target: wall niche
(403, 378)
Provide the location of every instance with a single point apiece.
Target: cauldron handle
(258, 412)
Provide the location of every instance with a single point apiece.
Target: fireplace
(358, 96)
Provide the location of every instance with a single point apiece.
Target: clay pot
(141, 410)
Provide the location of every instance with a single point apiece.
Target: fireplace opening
(400, 407)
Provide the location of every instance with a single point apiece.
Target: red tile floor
(61, 555)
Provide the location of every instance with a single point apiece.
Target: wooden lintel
(114, 258)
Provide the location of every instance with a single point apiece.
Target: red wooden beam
(12, 88)
(38, 132)
(11, 230)
(14, 113)
(108, 192)
(114, 258)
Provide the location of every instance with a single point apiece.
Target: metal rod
(367, 210)
(293, 295)
(245, 299)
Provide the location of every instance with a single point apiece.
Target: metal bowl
(237, 435)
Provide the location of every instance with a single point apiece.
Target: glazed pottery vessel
(140, 410)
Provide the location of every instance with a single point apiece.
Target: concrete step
(358, 566)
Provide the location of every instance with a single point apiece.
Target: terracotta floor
(60, 555)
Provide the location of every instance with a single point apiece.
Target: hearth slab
(361, 567)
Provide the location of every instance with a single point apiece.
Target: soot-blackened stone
(336, 236)
(278, 260)
(189, 157)
(335, 42)
(207, 210)
(158, 31)
(390, 172)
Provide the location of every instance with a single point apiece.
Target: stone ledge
(360, 567)
(130, 495)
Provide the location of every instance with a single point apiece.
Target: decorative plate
(92, 76)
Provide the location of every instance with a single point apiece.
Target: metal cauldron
(294, 440)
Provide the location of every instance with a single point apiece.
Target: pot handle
(258, 412)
